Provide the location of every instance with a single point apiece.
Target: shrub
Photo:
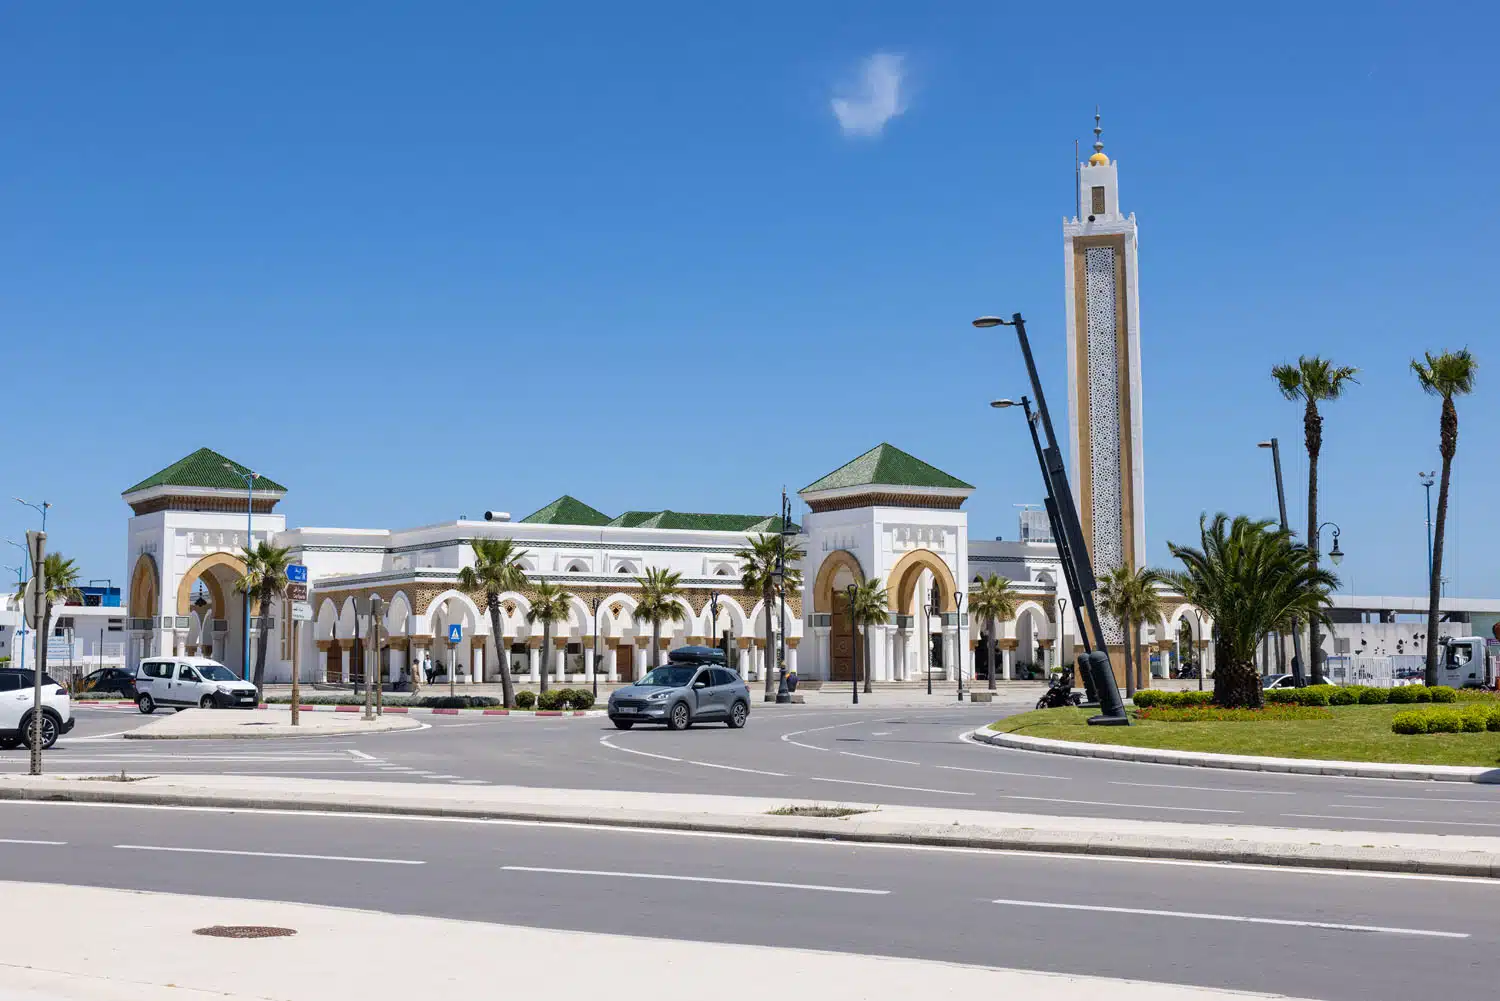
(582, 699)
(1402, 695)
(551, 699)
(1409, 721)
(1314, 695)
(1344, 695)
(525, 700)
(1494, 719)
(1475, 721)
(1442, 693)
(1424, 694)
(1372, 696)
(1148, 697)
(1215, 714)
(459, 702)
(565, 697)
(1444, 721)
(1281, 696)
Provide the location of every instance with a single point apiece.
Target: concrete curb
(867, 827)
(410, 710)
(1238, 762)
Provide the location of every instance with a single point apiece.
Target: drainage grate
(244, 931)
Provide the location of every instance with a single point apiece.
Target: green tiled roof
(567, 510)
(698, 522)
(887, 465)
(204, 469)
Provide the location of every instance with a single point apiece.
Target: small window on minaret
(1098, 205)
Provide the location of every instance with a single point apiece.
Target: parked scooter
(1060, 693)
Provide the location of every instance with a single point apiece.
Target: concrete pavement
(232, 724)
(1459, 855)
(1337, 936)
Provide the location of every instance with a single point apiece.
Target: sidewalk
(218, 724)
(122, 945)
(1458, 855)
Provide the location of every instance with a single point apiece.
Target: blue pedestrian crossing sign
(455, 633)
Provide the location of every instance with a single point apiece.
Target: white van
(190, 682)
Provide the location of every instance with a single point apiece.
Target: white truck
(1467, 661)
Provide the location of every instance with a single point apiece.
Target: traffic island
(230, 724)
(1354, 740)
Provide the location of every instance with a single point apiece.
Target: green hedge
(554, 698)
(459, 702)
(1409, 721)
(1149, 697)
(1312, 695)
(582, 698)
(1442, 693)
(1473, 718)
(525, 700)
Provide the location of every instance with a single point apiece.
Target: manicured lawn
(1356, 733)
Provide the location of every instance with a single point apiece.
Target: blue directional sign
(296, 573)
(455, 633)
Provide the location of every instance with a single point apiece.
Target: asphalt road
(894, 756)
(1323, 935)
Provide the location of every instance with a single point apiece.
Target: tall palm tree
(869, 606)
(758, 564)
(1248, 577)
(62, 587)
(1446, 375)
(1313, 380)
(549, 604)
(660, 601)
(497, 568)
(264, 581)
(994, 602)
(1132, 597)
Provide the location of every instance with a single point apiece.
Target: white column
(322, 666)
(560, 665)
(344, 663)
(612, 658)
(590, 667)
(791, 658)
(476, 660)
(1007, 664)
(640, 660)
(533, 663)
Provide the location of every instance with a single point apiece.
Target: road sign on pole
(29, 604)
(296, 573)
(301, 611)
(455, 633)
(296, 592)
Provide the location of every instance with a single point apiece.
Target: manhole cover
(244, 931)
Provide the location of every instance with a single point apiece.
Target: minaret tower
(1104, 370)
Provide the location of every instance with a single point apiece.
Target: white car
(18, 697)
(190, 682)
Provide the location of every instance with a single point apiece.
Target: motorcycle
(1060, 693)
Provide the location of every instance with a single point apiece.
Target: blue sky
(420, 260)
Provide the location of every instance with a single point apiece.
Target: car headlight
(658, 696)
(224, 689)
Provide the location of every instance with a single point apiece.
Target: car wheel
(679, 718)
(207, 702)
(9, 743)
(623, 724)
(49, 730)
(146, 704)
(738, 713)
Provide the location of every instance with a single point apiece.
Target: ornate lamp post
(854, 644)
(594, 603)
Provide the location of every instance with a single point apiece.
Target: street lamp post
(249, 476)
(928, 611)
(41, 508)
(960, 639)
(1071, 544)
(713, 605)
(1337, 556)
(594, 603)
(1297, 663)
(854, 645)
(1427, 481)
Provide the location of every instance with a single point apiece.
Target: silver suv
(680, 695)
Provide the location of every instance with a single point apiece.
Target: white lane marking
(429, 776)
(1237, 918)
(97, 736)
(696, 879)
(882, 785)
(631, 750)
(25, 841)
(360, 754)
(470, 782)
(734, 768)
(1423, 799)
(875, 757)
(1168, 785)
(881, 733)
(1263, 870)
(813, 747)
(291, 855)
(992, 771)
(1128, 806)
(1390, 820)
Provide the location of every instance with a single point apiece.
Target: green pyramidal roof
(698, 522)
(887, 465)
(204, 469)
(567, 510)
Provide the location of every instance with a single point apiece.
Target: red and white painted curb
(404, 710)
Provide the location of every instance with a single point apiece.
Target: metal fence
(1385, 671)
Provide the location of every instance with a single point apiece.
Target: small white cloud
(864, 107)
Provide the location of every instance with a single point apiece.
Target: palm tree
(660, 601)
(994, 602)
(1131, 596)
(1249, 577)
(869, 606)
(1311, 380)
(62, 587)
(758, 575)
(549, 604)
(264, 581)
(1446, 375)
(497, 568)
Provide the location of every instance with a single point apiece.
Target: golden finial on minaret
(1098, 159)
